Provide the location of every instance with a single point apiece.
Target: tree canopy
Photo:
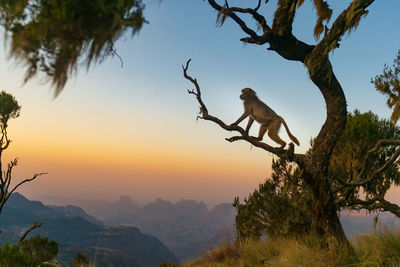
(388, 83)
(279, 207)
(349, 164)
(52, 36)
(9, 109)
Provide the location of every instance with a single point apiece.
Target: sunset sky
(133, 131)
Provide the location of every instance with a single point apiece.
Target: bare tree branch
(36, 175)
(4, 137)
(375, 204)
(33, 227)
(280, 152)
(348, 188)
(378, 145)
(5, 183)
(377, 172)
(253, 37)
(8, 174)
(257, 16)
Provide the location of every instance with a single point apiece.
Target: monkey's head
(247, 92)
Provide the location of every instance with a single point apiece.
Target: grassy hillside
(371, 250)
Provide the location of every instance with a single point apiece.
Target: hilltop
(74, 230)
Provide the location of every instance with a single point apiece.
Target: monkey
(263, 114)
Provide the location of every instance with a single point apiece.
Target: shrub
(35, 251)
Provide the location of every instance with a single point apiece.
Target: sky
(133, 131)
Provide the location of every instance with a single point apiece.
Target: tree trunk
(325, 222)
(324, 218)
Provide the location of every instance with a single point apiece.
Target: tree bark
(325, 220)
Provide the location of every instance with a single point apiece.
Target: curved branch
(4, 137)
(348, 188)
(36, 175)
(5, 193)
(33, 227)
(379, 144)
(253, 37)
(280, 152)
(257, 16)
(375, 204)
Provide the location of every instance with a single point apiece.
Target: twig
(33, 227)
(113, 52)
(5, 184)
(253, 37)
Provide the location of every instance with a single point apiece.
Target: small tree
(380, 168)
(314, 168)
(9, 109)
(388, 83)
(281, 205)
(35, 251)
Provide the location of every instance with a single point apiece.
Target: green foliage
(80, 260)
(388, 84)
(11, 254)
(362, 132)
(279, 207)
(36, 251)
(39, 249)
(52, 35)
(9, 108)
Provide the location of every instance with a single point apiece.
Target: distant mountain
(187, 227)
(102, 210)
(356, 223)
(74, 230)
(36, 209)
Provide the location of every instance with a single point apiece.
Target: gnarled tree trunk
(325, 220)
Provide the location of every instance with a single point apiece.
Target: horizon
(133, 131)
(62, 201)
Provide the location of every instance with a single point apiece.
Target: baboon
(269, 120)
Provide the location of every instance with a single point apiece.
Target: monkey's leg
(251, 120)
(273, 133)
(261, 132)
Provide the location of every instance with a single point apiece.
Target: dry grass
(370, 250)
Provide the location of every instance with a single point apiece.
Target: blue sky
(133, 129)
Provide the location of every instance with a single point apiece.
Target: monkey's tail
(291, 136)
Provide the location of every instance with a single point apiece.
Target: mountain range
(74, 230)
(188, 228)
(111, 232)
